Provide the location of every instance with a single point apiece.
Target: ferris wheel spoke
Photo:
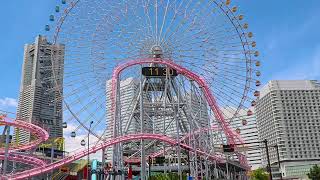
(204, 35)
(86, 107)
(176, 10)
(167, 35)
(148, 19)
(75, 92)
(163, 21)
(214, 65)
(181, 23)
(225, 78)
(92, 116)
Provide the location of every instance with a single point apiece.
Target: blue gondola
(64, 125)
(51, 17)
(73, 134)
(57, 9)
(47, 28)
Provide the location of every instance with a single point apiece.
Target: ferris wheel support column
(120, 133)
(195, 145)
(207, 136)
(5, 163)
(143, 158)
(176, 109)
(191, 138)
(215, 170)
(115, 151)
(164, 118)
(205, 140)
(206, 168)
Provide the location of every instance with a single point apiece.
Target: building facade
(40, 99)
(246, 126)
(129, 89)
(288, 115)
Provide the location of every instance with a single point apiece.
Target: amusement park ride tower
(166, 108)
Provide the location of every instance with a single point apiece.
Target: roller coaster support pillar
(52, 152)
(176, 111)
(5, 163)
(103, 163)
(227, 166)
(143, 158)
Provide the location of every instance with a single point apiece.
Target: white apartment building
(288, 114)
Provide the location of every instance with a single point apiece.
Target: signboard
(158, 72)
(228, 148)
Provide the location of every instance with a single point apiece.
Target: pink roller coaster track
(156, 154)
(40, 134)
(24, 159)
(43, 168)
(232, 136)
(49, 167)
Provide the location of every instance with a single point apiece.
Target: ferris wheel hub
(156, 51)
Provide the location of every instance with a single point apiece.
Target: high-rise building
(246, 126)
(40, 99)
(128, 90)
(288, 115)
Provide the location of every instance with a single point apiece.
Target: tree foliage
(314, 173)
(168, 176)
(259, 174)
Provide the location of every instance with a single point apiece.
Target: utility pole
(278, 156)
(268, 158)
(88, 165)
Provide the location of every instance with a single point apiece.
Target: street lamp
(88, 149)
(83, 143)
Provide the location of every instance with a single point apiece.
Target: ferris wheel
(182, 69)
(208, 38)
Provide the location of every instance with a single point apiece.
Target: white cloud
(73, 144)
(8, 102)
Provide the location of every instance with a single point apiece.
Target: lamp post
(83, 143)
(88, 150)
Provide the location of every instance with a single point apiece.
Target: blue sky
(286, 31)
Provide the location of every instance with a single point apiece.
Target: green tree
(314, 173)
(259, 174)
(169, 176)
